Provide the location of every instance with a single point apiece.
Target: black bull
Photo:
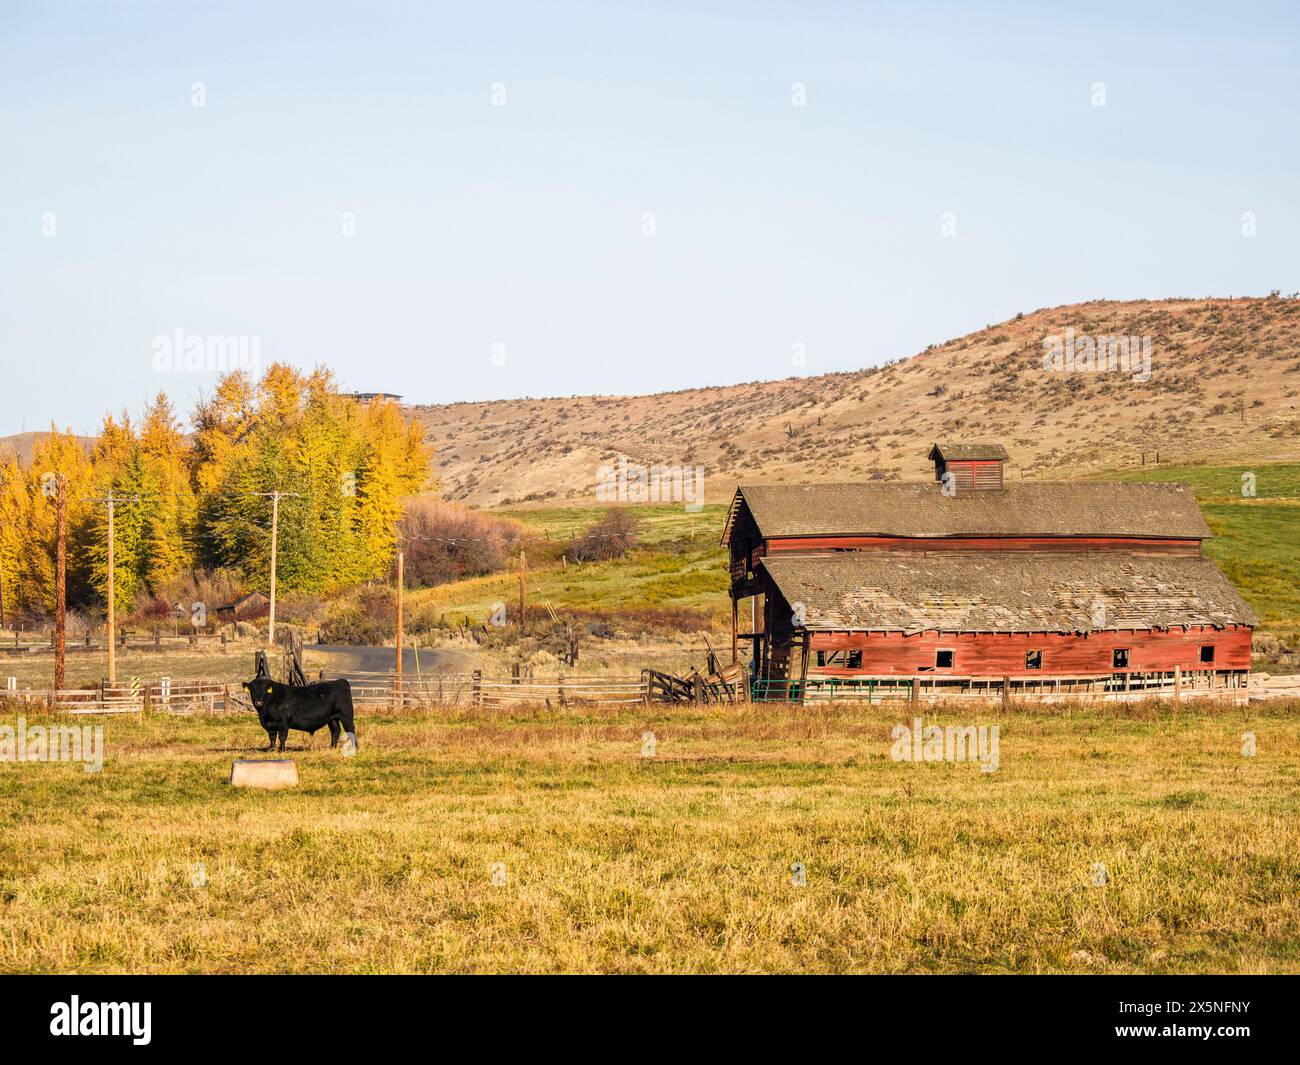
(281, 707)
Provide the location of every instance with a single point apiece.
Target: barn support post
(803, 665)
(735, 630)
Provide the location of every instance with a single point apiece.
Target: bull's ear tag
(349, 745)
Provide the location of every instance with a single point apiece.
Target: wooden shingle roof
(954, 451)
(1034, 508)
(1005, 591)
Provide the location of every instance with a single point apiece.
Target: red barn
(974, 581)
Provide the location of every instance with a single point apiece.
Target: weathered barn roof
(1035, 508)
(1005, 591)
(253, 598)
(953, 451)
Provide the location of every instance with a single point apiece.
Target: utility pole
(523, 593)
(112, 600)
(400, 585)
(110, 501)
(60, 579)
(275, 531)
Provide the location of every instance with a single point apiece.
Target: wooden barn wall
(744, 538)
(1073, 544)
(988, 654)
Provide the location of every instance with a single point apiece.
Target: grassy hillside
(1271, 480)
(1224, 387)
(678, 564)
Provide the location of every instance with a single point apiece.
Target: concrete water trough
(264, 773)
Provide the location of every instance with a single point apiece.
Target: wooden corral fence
(163, 695)
(728, 684)
(166, 695)
(34, 644)
(368, 690)
(479, 689)
(932, 687)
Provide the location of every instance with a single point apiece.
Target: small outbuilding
(253, 605)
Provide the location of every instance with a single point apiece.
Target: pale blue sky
(522, 225)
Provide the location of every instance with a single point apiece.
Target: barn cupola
(963, 468)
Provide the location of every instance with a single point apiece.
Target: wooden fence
(374, 690)
(931, 687)
(478, 689)
(431, 691)
(163, 695)
(154, 641)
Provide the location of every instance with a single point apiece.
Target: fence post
(225, 696)
(1006, 694)
(916, 693)
(1178, 685)
(478, 687)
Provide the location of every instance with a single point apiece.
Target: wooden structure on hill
(973, 579)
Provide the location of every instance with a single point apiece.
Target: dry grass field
(609, 860)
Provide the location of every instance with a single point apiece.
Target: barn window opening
(943, 660)
(1120, 658)
(840, 659)
(1033, 659)
(1207, 653)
